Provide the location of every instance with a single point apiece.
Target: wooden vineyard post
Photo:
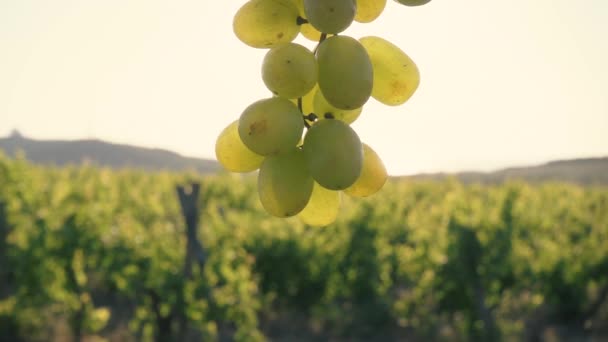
(188, 199)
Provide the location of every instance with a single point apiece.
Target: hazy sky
(504, 82)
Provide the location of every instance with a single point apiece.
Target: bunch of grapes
(300, 138)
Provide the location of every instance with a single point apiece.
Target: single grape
(413, 2)
(324, 110)
(322, 208)
(289, 70)
(345, 72)
(284, 183)
(232, 154)
(333, 154)
(369, 10)
(266, 23)
(306, 29)
(373, 175)
(271, 126)
(396, 76)
(330, 16)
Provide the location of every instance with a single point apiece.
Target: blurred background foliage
(88, 253)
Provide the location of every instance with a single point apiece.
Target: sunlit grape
(289, 70)
(396, 76)
(373, 175)
(232, 154)
(333, 154)
(284, 183)
(322, 208)
(345, 72)
(413, 2)
(266, 23)
(324, 110)
(310, 33)
(307, 30)
(330, 16)
(271, 126)
(369, 10)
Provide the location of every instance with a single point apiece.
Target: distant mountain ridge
(588, 171)
(101, 153)
(584, 171)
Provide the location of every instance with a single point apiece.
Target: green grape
(232, 154)
(333, 154)
(373, 175)
(413, 2)
(266, 23)
(284, 183)
(324, 110)
(289, 70)
(322, 208)
(330, 16)
(345, 72)
(271, 126)
(396, 76)
(307, 30)
(369, 10)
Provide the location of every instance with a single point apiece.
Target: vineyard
(94, 254)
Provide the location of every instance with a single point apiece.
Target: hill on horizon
(587, 171)
(101, 153)
(583, 171)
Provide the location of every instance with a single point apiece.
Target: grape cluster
(321, 91)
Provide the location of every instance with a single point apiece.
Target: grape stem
(301, 21)
(321, 39)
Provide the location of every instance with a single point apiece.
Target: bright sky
(504, 82)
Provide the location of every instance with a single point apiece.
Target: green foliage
(98, 249)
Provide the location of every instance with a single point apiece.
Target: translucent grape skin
(324, 110)
(289, 70)
(284, 184)
(333, 154)
(266, 23)
(369, 10)
(396, 76)
(310, 33)
(413, 2)
(330, 16)
(232, 154)
(322, 208)
(373, 175)
(271, 126)
(345, 72)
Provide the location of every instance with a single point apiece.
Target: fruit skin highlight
(322, 208)
(369, 10)
(265, 24)
(232, 154)
(396, 76)
(373, 175)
